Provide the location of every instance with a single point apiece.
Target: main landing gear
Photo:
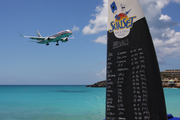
(56, 44)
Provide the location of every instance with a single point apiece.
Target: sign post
(133, 89)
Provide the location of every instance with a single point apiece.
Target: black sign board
(133, 89)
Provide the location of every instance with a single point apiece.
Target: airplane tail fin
(38, 34)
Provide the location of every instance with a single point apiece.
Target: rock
(98, 84)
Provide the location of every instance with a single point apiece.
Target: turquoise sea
(58, 102)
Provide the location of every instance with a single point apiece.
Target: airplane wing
(37, 38)
(32, 37)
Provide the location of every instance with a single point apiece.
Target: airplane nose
(69, 31)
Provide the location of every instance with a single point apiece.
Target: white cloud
(100, 22)
(102, 74)
(101, 39)
(165, 17)
(153, 11)
(169, 46)
(164, 37)
(75, 28)
(168, 33)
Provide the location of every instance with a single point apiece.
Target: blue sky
(81, 60)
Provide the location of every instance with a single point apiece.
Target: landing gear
(57, 43)
(47, 44)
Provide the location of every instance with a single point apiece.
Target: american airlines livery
(60, 36)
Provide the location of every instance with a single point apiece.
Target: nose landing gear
(57, 43)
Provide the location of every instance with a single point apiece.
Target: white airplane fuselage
(56, 37)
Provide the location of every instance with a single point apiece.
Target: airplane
(60, 36)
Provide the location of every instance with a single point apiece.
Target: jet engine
(48, 38)
(65, 40)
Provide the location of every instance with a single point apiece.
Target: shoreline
(103, 84)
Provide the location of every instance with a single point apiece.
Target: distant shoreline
(103, 84)
(98, 84)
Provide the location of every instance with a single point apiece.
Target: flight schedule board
(133, 88)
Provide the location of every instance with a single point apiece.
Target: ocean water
(172, 98)
(51, 103)
(63, 102)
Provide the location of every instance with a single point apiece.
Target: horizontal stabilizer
(72, 37)
(21, 35)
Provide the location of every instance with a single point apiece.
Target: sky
(82, 60)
